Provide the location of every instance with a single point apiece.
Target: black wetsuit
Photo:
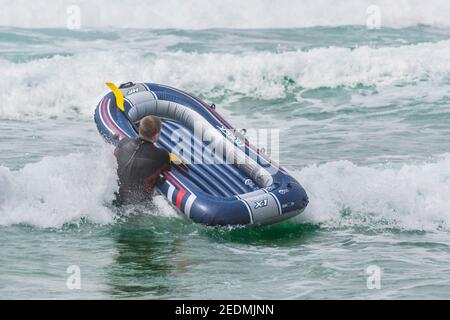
(139, 165)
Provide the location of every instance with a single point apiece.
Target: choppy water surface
(364, 124)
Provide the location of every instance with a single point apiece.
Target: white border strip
(178, 180)
(148, 89)
(103, 120)
(248, 208)
(129, 102)
(280, 212)
(112, 119)
(170, 191)
(188, 205)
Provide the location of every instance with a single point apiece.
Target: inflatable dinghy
(249, 190)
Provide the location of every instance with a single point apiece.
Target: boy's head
(150, 128)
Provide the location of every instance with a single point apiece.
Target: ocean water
(364, 120)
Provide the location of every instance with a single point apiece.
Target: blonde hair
(149, 127)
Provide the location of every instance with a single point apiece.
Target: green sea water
(364, 126)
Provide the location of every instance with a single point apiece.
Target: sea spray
(409, 196)
(233, 13)
(39, 88)
(57, 190)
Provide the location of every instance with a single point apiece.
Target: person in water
(140, 163)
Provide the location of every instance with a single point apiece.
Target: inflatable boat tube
(248, 190)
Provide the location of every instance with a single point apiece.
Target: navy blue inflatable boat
(250, 190)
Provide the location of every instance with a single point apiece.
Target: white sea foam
(195, 14)
(62, 86)
(57, 190)
(411, 197)
(64, 189)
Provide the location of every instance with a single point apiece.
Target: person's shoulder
(122, 142)
(156, 152)
(162, 154)
(125, 144)
(125, 141)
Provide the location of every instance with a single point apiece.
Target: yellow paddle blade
(118, 94)
(174, 159)
(178, 162)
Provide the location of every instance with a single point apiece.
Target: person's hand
(175, 160)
